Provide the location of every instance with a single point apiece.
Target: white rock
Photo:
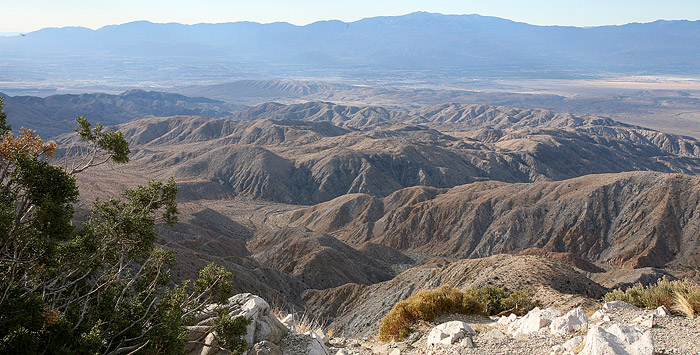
(316, 345)
(494, 334)
(573, 320)
(466, 342)
(533, 321)
(557, 350)
(264, 325)
(619, 305)
(662, 311)
(449, 333)
(265, 348)
(342, 352)
(618, 339)
(573, 343)
(503, 320)
(288, 321)
(395, 351)
(321, 335)
(600, 316)
(647, 321)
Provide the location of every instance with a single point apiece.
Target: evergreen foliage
(102, 287)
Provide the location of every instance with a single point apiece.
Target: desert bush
(520, 302)
(426, 305)
(679, 296)
(499, 300)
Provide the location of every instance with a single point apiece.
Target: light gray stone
(573, 343)
(494, 335)
(466, 342)
(573, 320)
(264, 326)
(317, 346)
(450, 333)
(265, 348)
(662, 311)
(288, 321)
(533, 321)
(557, 350)
(646, 321)
(618, 339)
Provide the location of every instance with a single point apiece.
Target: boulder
(265, 348)
(662, 311)
(450, 333)
(618, 339)
(573, 343)
(533, 321)
(494, 335)
(645, 321)
(573, 320)
(317, 344)
(288, 322)
(600, 316)
(503, 320)
(264, 326)
(619, 305)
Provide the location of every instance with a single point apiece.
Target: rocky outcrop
(618, 339)
(533, 321)
(263, 327)
(575, 319)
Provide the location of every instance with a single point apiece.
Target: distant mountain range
(56, 114)
(373, 46)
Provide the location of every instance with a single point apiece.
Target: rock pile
(617, 328)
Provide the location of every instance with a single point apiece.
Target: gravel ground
(672, 335)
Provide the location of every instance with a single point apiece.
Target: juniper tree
(102, 287)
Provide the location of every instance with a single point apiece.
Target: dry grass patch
(426, 305)
(679, 296)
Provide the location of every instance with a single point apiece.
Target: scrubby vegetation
(426, 305)
(679, 296)
(500, 300)
(103, 287)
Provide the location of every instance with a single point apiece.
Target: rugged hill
(314, 152)
(54, 115)
(356, 310)
(626, 220)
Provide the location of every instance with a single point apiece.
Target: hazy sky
(30, 15)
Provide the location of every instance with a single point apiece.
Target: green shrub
(679, 296)
(499, 300)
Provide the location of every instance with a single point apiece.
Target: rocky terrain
(342, 211)
(311, 153)
(615, 328)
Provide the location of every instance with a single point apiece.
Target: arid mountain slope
(310, 153)
(357, 310)
(625, 220)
